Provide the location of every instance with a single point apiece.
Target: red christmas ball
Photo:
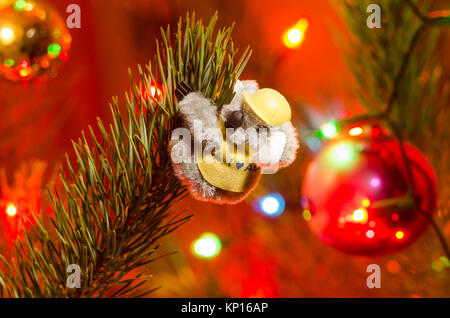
(354, 193)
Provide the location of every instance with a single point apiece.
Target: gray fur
(187, 170)
(292, 144)
(197, 107)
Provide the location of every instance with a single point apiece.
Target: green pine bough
(115, 203)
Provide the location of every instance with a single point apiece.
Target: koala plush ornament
(234, 145)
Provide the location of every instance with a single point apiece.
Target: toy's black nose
(234, 120)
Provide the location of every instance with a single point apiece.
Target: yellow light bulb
(366, 203)
(359, 216)
(155, 91)
(399, 235)
(11, 210)
(294, 36)
(7, 36)
(24, 72)
(356, 131)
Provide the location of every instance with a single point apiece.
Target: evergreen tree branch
(115, 203)
(403, 68)
(388, 61)
(438, 231)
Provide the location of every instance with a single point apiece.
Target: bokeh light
(329, 130)
(393, 267)
(375, 182)
(365, 203)
(155, 91)
(11, 209)
(293, 37)
(359, 216)
(306, 215)
(7, 36)
(400, 235)
(341, 155)
(272, 204)
(53, 50)
(208, 245)
(19, 5)
(355, 131)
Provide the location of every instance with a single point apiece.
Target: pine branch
(396, 66)
(116, 201)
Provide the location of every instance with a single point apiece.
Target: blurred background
(261, 255)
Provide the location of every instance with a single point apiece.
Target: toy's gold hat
(269, 105)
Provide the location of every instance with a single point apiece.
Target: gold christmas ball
(34, 40)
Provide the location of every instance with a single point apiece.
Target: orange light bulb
(293, 37)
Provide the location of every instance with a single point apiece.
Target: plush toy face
(244, 118)
(251, 120)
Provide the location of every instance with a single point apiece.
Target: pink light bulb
(375, 182)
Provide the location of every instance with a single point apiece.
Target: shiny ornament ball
(34, 40)
(354, 193)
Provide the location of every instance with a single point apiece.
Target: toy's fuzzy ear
(249, 86)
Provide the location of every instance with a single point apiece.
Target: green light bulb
(329, 130)
(54, 49)
(9, 62)
(19, 5)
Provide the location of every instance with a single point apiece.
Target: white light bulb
(7, 36)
